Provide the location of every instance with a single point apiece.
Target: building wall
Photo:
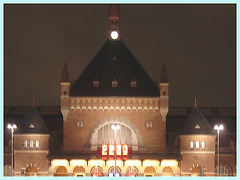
(92, 111)
(193, 156)
(25, 156)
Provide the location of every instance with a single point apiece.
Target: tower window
(31, 144)
(191, 144)
(114, 22)
(25, 144)
(197, 144)
(37, 144)
(164, 93)
(133, 84)
(64, 93)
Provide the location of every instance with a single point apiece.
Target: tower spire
(114, 23)
(195, 103)
(33, 103)
(65, 75)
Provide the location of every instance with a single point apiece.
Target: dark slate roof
(197, 124)
(32, 123)
(164, 76)
(65, 75)
(124, 68)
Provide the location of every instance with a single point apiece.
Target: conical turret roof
(32, 123)
(164, 76)
(65, 75)
(196, 124)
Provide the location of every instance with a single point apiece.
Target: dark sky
(196, 42)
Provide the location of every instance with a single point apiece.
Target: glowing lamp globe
(114, 35)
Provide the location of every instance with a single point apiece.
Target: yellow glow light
(151, 163)
(76, 162)
(136, 163)
(170, 162)
(96, 162)
(60, 162)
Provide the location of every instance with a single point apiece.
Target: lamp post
(115, 128)
(12, 127)
(218, 128)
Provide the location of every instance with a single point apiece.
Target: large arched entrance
(104, 134)
(31, 171)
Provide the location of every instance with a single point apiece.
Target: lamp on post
(218, 128)
(115, 128)
(12, 127)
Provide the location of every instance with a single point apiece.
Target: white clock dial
(114, 35)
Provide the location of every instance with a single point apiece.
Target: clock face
(114, 35)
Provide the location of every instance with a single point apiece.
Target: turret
(164, 93)
(114, 23)
(65, 92)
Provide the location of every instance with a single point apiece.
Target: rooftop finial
(195, 104)
(33, 103)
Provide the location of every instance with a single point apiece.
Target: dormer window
(114, 22)
(114, 58)
(197, 127)
(95, 82)
(114, 82)
(133, 82)
(31, 126)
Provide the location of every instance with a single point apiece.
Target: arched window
(191, 144)
(79, 171)
(149, 171)
(31, 144)
(25, 144)
(197, 144)
(167, 171)
(96, 171)
(37, 144)
(60, 171)
(203, 144)
(223, 171)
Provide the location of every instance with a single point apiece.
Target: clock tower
(114, 24)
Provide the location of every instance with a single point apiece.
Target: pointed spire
(195, 104)
(65, 75)
(164, 76)
(114, 24)
(33, 103)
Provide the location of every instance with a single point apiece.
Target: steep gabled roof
(196, 124)
(32, 123)
(123, 67)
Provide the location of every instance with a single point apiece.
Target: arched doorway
(104, 134)
(96, 171)
(111, 171)
(31, 171)
(149, 171)
(223, 171)
(132, 171)
(78, 171)
(167, 171)
(61, 171)
(195, 170)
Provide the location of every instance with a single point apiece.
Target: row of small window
(197, 144)
(31, 144)
(114, 84)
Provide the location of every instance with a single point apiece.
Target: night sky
(196, 43)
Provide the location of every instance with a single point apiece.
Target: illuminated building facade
(114, 90)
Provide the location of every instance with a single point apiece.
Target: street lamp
(218, 128)
(12, 127)
(115, 128)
